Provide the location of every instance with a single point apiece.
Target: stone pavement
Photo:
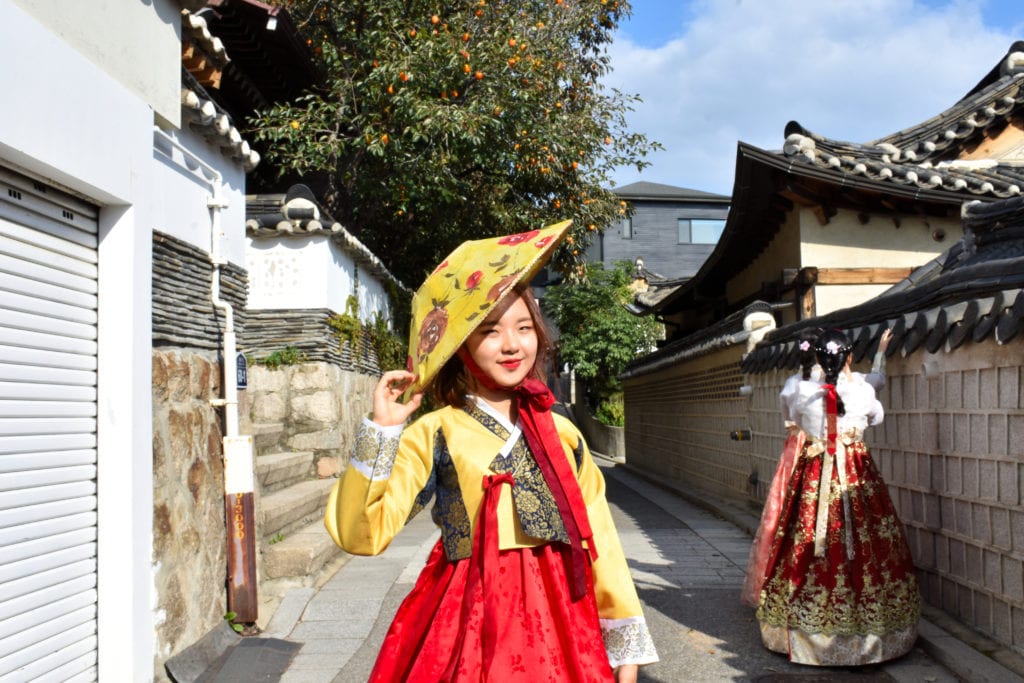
(688, 557)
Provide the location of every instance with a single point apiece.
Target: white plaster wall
(67, 119)
(845, 243)
(179, 188)
(136, 43)
(308, 272)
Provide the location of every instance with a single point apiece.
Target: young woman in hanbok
(839, 587)
(528, 581)
(750, 594)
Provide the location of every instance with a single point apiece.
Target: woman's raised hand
(388, 410)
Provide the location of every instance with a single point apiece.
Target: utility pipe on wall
(238, 449)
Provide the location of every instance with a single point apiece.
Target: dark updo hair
(806, 342)
(831, 350)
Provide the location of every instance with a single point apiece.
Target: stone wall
(312, 406)
(189, 556)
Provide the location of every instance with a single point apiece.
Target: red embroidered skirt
(835, 610)
(541, 635)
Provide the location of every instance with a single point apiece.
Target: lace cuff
(628, 641)
(375, 449)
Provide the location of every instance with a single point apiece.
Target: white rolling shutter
(48, 265)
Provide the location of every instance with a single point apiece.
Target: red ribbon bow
(538, 425)
(485, 556)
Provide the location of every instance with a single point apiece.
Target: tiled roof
(725, 333)
(914, 171)
(199, 111)
(972, 292)
(298, 214)
(925, 156)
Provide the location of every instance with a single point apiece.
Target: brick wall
(951, 450)
(679, 419)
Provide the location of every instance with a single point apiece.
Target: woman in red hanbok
(528, 581)
(839, 586)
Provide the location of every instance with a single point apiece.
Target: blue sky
(714, 72)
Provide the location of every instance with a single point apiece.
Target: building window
(627, 228)
(700, 230)
(706, 231)
(684, 230)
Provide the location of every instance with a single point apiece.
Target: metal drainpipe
(238, 449)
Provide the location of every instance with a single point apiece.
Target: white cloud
(852, 70)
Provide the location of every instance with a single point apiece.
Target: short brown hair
(450, 385)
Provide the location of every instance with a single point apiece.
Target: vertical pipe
(239, 463)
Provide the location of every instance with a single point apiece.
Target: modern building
(671, 229)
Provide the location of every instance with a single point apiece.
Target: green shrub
(612, 411)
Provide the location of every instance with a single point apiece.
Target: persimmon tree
(440, 121)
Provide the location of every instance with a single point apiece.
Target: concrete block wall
(951, 450)
(679, 419)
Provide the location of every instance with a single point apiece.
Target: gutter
(239, 462)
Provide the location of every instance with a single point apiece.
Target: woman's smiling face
(504, 346)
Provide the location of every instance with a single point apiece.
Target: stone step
(266, 435)
(301, 553)
(284, 511)
(276, 471)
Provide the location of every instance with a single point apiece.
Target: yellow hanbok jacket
(443, 456)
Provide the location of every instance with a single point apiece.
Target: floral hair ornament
(805, 345)
(458, 295)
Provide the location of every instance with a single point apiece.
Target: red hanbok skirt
(837, 610)
(539, 633)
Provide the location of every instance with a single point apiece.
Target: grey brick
(971, 399)
(957, 559)
(988, 481)
(1013, 578)
(947, 506)
(975, 570)
(1017, 625)
(945, 432)
(1009, 483)
(962, 433)
(942, 561)
(982, 524)
(1001, 528)
(937, 393)
(1017, 531)
(993, 570)
(949, 596)
(932, 511)
(988, 391)
(954, 478)
(997, 434)
(983, 611)
(1001, 621)
(1009, 388)
(924, 557)
(965, 603)
(970, 477)
(938, 470)
(1016, 437)
(979, 434)
(954, 390)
